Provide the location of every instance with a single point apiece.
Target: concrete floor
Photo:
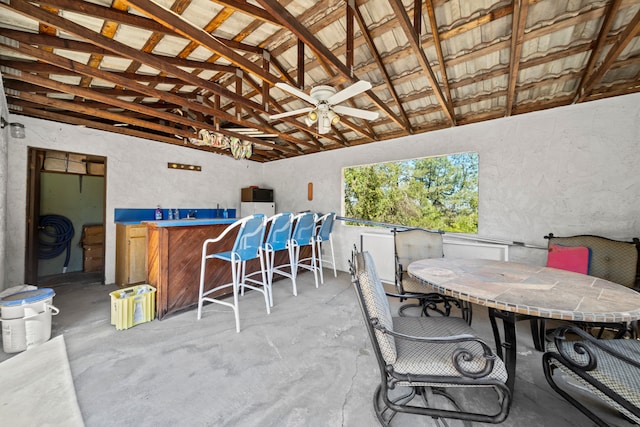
(308, 363)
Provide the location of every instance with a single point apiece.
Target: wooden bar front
(173, 263)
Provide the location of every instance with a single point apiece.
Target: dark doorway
(65, 218)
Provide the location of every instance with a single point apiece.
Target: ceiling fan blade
(291, 113)
(355, 112)
(300, 94)
(349, 92)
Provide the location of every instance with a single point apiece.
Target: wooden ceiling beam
(350, 36)
(623, 39)
(132, 85)
(518, 22)
(438, 46)
(300, 67)
(381, 67)
(197, 35)
(64, 118)
(23, 7)
(156, 37)
(123, 17)
(92, 112)
(115, 102)
(324, 54)
(594, 54)
(414, 41)
(84, 47)
(417, 16)
(249, 9)
(283, 73)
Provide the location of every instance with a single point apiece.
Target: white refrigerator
(250, 208)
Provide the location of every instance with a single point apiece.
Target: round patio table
(515, 291)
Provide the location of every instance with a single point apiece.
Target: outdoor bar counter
(174, 251)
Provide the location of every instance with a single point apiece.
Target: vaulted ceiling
(202, 73)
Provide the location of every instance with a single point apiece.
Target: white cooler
(26, 319)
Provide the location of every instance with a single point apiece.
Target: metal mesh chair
(303, 235)
(277, 239)
(612, 260)
(414, 244)
(324, 226)
(607, 368)
(427, 357)
(247, 246)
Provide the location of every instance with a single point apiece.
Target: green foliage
(439, 193)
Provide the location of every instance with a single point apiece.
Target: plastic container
(132, 306)
(158, 213)
(26, 319)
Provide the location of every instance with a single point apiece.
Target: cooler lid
(26, 297)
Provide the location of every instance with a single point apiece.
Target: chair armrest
(226, 231)
(584, 357)
(460, 354)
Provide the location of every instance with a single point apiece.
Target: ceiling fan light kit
(325, 111)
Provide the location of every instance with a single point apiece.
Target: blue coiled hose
(56, 232)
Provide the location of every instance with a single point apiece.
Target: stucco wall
(137, 177)
(4, 139)
(569, 170)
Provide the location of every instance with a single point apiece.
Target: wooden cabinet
(131, 254)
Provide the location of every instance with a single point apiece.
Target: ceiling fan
(325, 110)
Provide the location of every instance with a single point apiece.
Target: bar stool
(324, 226)
(277, 239)
(248, 246)
(303, 234)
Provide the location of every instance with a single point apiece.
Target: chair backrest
(304, 228)
(250, 237)
(374, 304)
(415, 244)
(279, 231)
(612, 260)
(326, 226)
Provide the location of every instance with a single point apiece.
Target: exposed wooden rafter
(414, 41)
(432, 63)
(624, 39)
(324, 54)
(519, 19)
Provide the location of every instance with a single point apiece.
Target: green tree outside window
(437, 193)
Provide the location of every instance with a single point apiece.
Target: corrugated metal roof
(186, 65)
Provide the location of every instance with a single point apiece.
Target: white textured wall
(137, 177)
(569, 170)
(4, 138)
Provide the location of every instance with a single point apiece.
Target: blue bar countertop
(195, 221)
(137, 216)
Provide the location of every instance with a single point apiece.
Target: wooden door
(36, 158)
(137, 254)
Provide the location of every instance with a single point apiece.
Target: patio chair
(613, 260)
(324, 226)
(303, 235)
(608, 369)
(277, 239)
(411, 245)
(425, 361)
(247, 246)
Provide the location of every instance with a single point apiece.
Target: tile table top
(528, 289)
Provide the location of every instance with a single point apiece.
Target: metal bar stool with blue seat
(324, 226)
(303, 234)
(277, 239)
(247, 246)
